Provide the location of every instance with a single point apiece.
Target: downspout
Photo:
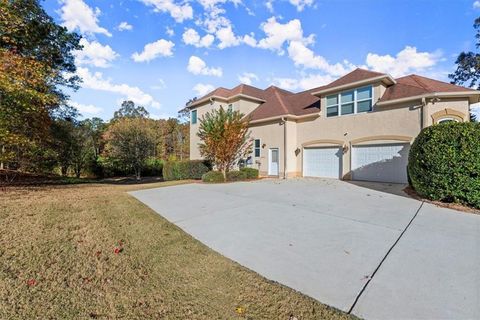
(424, 114)
(284, 120)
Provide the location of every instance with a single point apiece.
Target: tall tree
(128, 109)
(224, 138)
(468, 66)
(36, 63)
(131, 141)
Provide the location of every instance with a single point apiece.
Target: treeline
(41, 133)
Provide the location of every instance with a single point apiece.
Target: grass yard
(57, 260)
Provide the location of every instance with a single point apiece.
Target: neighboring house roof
(276, 102)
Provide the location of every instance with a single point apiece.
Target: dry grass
(57, 260)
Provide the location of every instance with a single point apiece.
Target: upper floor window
(230, 108)
(257, 147)
(349, 102)
(194, 116)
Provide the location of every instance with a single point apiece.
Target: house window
(230, 107)
(194, 116)
(257, 147)
(350, 102)
(447, 120)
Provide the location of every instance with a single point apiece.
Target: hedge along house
(359, 127)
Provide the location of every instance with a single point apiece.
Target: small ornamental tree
(224, 138)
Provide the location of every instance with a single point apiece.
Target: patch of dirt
(455, 206)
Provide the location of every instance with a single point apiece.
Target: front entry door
(273, 162)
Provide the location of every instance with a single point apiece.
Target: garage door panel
(383, 162)
(322, 162)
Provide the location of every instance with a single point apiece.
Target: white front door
(381, 162)
(273, 163)
(322, 162)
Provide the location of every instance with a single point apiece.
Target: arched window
(447, 120)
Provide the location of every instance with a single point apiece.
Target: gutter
(228, 99)
(430, 95)
(286, 116)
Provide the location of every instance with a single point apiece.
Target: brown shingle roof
(414, 85)
(279, 102)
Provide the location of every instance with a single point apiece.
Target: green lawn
(57, 260)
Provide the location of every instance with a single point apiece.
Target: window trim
(447, 119)
(194, 120)
(355, 101)
(259, 148)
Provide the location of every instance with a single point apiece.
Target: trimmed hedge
(444, 163)
(250, 173)
(153, 167)
(213, 177)
(183, 170)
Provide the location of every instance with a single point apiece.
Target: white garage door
(382, 162)
(322, 162)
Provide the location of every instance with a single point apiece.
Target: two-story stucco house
(358, 127)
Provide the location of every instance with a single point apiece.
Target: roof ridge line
(281, 101)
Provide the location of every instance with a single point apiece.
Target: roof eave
(286, 116)
(430, 95)
(225, 99)
(387, 79)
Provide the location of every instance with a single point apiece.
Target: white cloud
(247, 78)
(95, 54)
(198, 66)
(77, 15)
(278, 33)
(269, 5)
(304, 83)
(160, 48)
(170, 32)
(476, 5)
(227, 38)
(179, 12)
(406, 61)
(96, 81)
(301, 4)
(191, 37)
(84, 109)
(202, 89)
(475, 109)
(160, 85)
(305, 57)
(124, 26)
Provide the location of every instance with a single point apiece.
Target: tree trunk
(224, 171)
(137, 174)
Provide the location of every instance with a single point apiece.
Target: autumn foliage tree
(224, 138)
(131, 141)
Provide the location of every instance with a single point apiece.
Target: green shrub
(153, 167)
(236, 176)
(250, 173)
(213, 177)
(444, 163)
(183, 170)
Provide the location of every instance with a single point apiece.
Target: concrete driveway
(374, 254)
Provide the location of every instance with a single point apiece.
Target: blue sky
(160, 53)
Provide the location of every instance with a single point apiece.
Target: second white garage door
(322, 162)
(382, 162)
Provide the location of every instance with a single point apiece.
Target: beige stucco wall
(244, 106)
(271, 136)
(385, 124)
(447, 108)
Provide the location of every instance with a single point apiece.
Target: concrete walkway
(374, 254)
